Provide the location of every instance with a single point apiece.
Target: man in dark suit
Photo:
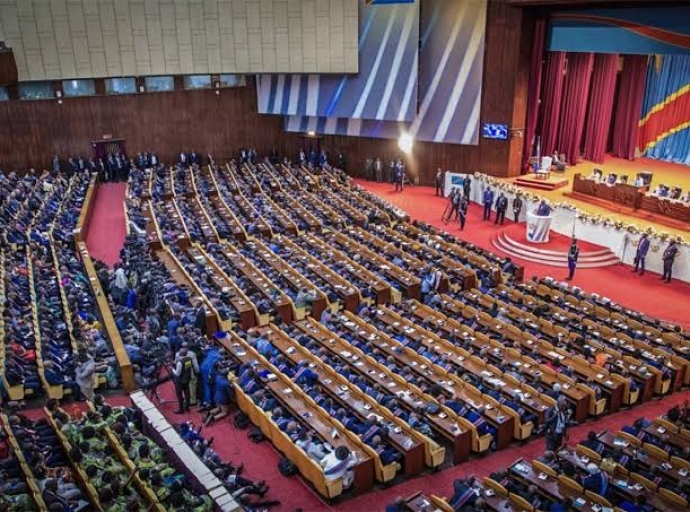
(488, 201)
(462, 212)
(669, 257)
(641, 254)
(517, 207)
(573, 254)
(439, 182)
(501, 208)
(200, 318)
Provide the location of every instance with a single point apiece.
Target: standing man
(517, 208)
(369, 169)
(556, 422)
(399, 176)
(439, 182)
(453, 203)
(378, 168)
(462, 212)
(488, 201)
(84, 375)
(573, 254)
(182, 373)
(466, 186)
(641, 254)
(669, 256)
(200, 317)
(501, 208)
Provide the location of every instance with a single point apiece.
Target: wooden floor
(664, 172)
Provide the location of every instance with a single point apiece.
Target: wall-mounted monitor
(495, 131)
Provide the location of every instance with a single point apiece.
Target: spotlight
(311, 133)
(405, 142)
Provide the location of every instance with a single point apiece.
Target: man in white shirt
(338, 464)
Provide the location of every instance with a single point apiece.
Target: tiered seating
(21, 342)
(45, 464)
(474, 366)
(123, 431)
(225, 222)
(101, 462)
(18, 488)
(231, 191)
(262, 388)
(306, 298)
(265, 295)
(339, 292)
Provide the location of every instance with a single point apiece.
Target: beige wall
(55, 39)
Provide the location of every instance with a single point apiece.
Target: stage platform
(663, 172)
(553, 182)
(513, 241)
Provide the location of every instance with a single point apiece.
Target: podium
(538, 228)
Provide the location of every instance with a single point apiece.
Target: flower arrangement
(594, 219)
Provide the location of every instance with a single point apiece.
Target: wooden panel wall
(167, 123)
(32, 132)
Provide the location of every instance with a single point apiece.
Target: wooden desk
(292, 398)
(446, 421)
(106, 314)
(180, 276)
(282, 303)
(621, 485)
(459, 358)
(294, 279)
(220, 207)
(624, 195)
(351, 398)
(458, 275)
(432, 374)
(314, 269)
(407, 281)
(246, 310)
(356, 273)
(613, 442)
(548, 487)
(673, 209)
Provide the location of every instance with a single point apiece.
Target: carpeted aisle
(107, 228)
(646, 293)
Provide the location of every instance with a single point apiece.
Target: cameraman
(186, 367)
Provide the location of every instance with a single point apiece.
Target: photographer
(186, 367)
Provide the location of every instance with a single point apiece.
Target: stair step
(592, 259)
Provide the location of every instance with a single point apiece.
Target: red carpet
(107, 229)
(646, 293)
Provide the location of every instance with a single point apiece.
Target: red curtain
(551, 100)
(538, 38)
(600, 106)
(629, 105)
(574, 104)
